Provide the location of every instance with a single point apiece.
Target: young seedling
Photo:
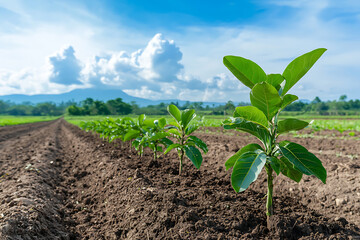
(181, 129)
(268, 98)
(155, 136)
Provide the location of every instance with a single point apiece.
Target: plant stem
(155, 153)
(181, 160)
(269, 202)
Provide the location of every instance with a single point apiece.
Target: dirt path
(58, 182)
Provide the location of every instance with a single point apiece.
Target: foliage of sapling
(141, 133)
(181, 128)
(268, 98)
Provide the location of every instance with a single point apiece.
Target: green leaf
(194, 155)
(275, 164)
(158, 136)
(175, 125)
(288, 169)
(248, 148)
(174, 131)
(253, 114)
(303, 160)
(256, 130)
(141, 119)
(275, 80)
(199, 143)
(171, 147)
(287, 99)
(266, 98)
(174, 112)
(166, 142)
(246, 169)
(248, 72)
(299, 67)
(147, 123)
(191, 128)
(186, 117)
(291, 124)
(131, 134)
(161, 122)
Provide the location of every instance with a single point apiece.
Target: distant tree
(297, 106)
(4, 106)
(46, 109)
(118, 107)
(75, 111)
(316, 100)
(229, 106)
(100, 108)
(343, 98)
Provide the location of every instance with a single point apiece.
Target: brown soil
(58, 182)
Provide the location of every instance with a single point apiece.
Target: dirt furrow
(16, 131)
(30, 205)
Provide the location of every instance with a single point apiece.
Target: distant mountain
(78, 95)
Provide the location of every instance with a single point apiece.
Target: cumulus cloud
(30, 81)
(155, 72)
(60, 73)
(65, 67)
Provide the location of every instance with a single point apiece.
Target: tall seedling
(268, 98)
(181, 128)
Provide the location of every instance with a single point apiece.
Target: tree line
(118, 107)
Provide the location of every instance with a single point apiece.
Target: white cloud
(154, 72)
(65, 67)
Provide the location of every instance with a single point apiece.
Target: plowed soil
(58, 182)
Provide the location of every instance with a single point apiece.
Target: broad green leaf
(194, 155)
(171, 147)
(186, 117)
(288, 169)
(158, 136)
(253, 114)
(248, 148)
(275, 165)
(303, 160)
(266, 98)
(199, 143)
(291, 125)
(166, 142)
(174, 112)
(299, 67)
(131, 134)
(248, 72)
(161, 122)
(275, 80)
(175, 125)
(287, 99)
(141, 119)
(147, 123)
(256, 130)
(174, 131)
(191, 128)
(246, 169)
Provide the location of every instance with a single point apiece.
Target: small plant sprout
(268, 98)
(181, 128)
(155, 136)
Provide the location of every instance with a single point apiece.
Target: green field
(209, 121)
(340, 123)
(6, 120)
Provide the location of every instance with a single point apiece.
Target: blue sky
(174, 49)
